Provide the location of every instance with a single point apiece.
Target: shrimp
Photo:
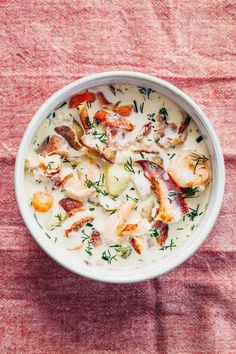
(124, 110)
(168, 135)
(115, 221)
(189, 169)
(75, 187)
(172, 204)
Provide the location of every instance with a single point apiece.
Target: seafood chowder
(118, 176)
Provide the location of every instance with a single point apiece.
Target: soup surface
(118, 176)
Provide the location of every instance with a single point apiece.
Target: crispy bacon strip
(172, 204)
(162, 229)
(136, 244)
(70, 205)
(113, 120)
(77, 225)
(83, 97)
(69, 135)
(96, 238)
(55, 145)
(146, 129)
(123, 111)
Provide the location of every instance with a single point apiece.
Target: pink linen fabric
(46, 44)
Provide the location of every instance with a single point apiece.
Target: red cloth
(47, 44)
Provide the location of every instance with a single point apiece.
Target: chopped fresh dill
(100, 136)
(180, 228)
(55, 239)
(88, 248)
(35, 216)
(48, 235)
(74, 166)
(141, 107)
(106, 256)
(172, 156)
(199, 139)
(193, 213)
(135, 107)
(96, 185)
(89, 224)
(128, 166)
(63, 104)
(145, 91)
(170, 246)
(129, 197)
(173, 195)
(199, 160)
(112, 89)
(91, 209)
(163, 111)
(192, 227)
(154, 233)
(123, 252)
(89, 104)
(151, 116)
(111, 211)
(191, 193)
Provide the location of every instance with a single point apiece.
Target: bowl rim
(107, 275)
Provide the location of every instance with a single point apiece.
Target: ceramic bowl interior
(182, 252)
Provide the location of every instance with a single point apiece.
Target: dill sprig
(128, 166)
(145, 91)
(199, 160)
(163, 111)
(112, 89)
(193, 213)
(106, 256)
(123, 252)
(35, 216)
(191, 193)
(154, 233)
(100, 136)
(173, 195)
(97, 185)
(111, 211)
(170, 246)
(129, 197)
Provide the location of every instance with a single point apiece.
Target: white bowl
(192, 244)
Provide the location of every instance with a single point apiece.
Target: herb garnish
(113, 90)
(199, 160)
(191, 193)
(173, 195)
(141, 107)
(35, 216)
(129, 197)
(111, 211)
(106, 256)
(48, 235)
(193, 213)
(100, 136)
(128, 166)
(145, 91)
(63, 104)
(170, 246)
(97, 184)
(163, 111)
(199, 139)
(123, 252)
(154, 233)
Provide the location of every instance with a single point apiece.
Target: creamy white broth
(55, 221)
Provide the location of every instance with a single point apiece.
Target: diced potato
(77, 128)
(142, 186)
(117, 179)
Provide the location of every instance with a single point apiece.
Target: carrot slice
(42, 201)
